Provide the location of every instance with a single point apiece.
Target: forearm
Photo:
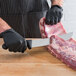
(3, 26)
(57, 2)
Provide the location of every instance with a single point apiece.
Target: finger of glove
(18, 49)
(21, 48)
(15, 47)
(52, 20)
(56, 20)
(47, 21)
(4, 46)
(60, 16)
(24, 47)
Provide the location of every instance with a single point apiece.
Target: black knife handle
(29, 44)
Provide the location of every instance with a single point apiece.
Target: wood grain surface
(35, 62)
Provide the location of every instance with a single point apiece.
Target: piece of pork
(63, 50)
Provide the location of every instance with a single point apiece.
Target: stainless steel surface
(66, 36)
(40, 42)
(46, 41)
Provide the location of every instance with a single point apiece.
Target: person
(19, 19)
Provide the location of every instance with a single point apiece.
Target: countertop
(35, 62)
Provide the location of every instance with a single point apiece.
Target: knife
(44, 42)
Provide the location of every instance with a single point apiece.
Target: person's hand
(54, 15)
(13, 41)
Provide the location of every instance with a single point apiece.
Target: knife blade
(66, 36)
(44, 42)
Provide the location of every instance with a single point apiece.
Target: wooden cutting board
(35, 62)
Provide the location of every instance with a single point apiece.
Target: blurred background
(69, 18)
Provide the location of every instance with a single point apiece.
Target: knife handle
(29, 44)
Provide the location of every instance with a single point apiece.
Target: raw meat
(63, 50)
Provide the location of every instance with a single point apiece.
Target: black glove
(13, 41)
(54, 15)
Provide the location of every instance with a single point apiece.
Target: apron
(24, 15)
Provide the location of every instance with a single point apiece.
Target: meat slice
(63, 50)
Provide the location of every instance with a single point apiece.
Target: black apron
(24, 15)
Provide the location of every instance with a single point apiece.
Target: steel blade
(46, 41)
(40, 42)
(66, 36)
